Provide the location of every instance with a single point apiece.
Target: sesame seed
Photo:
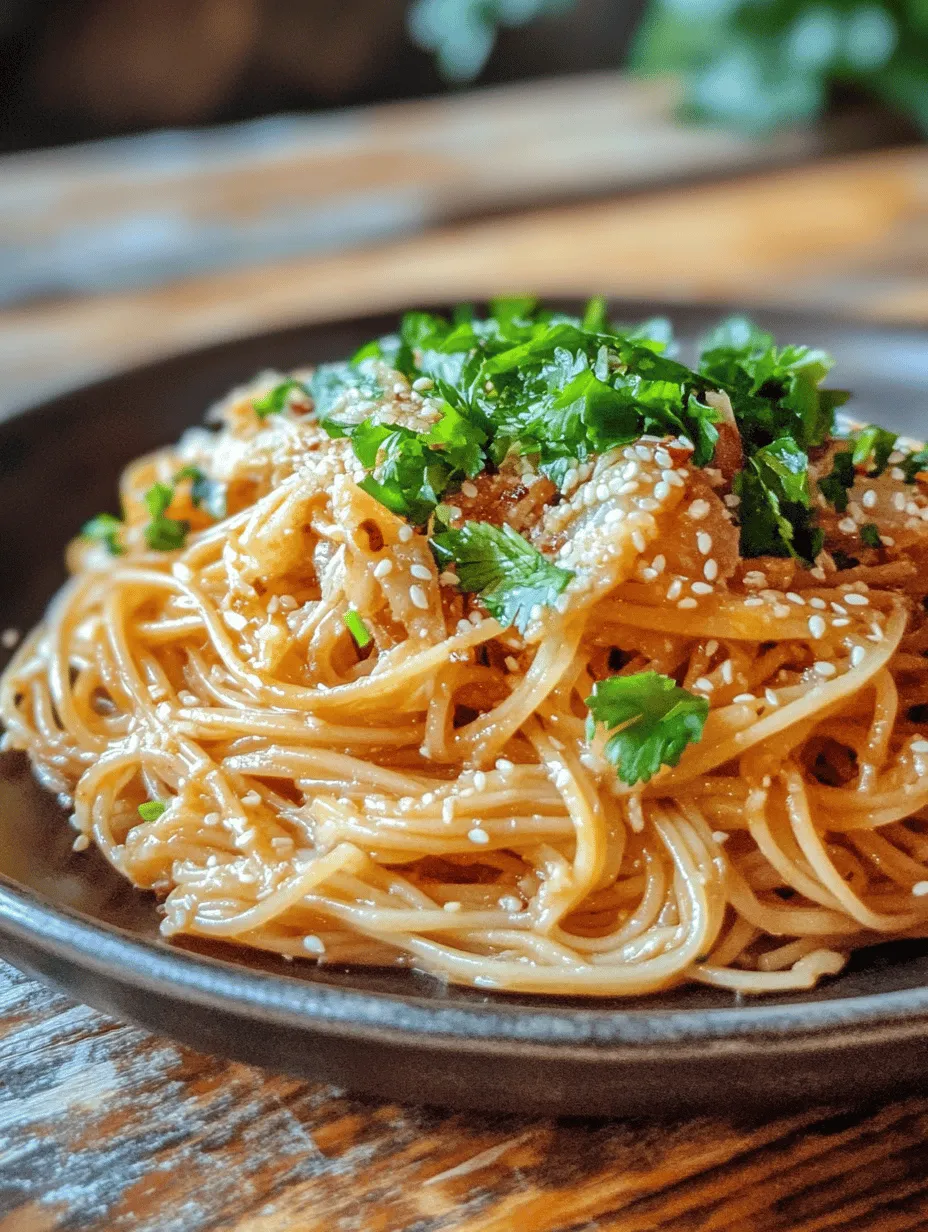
(648, 503)
(469, 489)
(639, 541)
(663, 458)
(704, 543)
(710, 570)
(848, 525)
(704, 684)
(480, 780)
(744, 697)
(235, 620)
(535, 612)
(512, 663)
(731, 501)
(711, 647)
(899, 501)
(794, 598)
(781, 611)
(920, 889)
(658, 564)
(818, 603)
(919, 746)
(181, 571)
(447, 809)
(478, 836)
(855, 600)
(315, 945)
(420, 571)
(753, 601)
(448, 578)
(644, 453)
(858, 654)
(727, 671)
(504, 765)
(698, 510)
(661, 491)
(418, 598)
(404, 534)
(687, 603)
(602, 492)
(817, 626)
(701, 588)
(825, 669)
(840, 622)
(868, 500)
(81, 843)
(675, 589)
(771, 697)
(452, 905)
(631, 486)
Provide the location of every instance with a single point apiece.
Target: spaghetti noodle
(341, 681)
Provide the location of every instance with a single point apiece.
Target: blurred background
(173, 171)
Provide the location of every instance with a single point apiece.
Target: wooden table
(104, 1127)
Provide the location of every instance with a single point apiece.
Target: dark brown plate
(70, 919)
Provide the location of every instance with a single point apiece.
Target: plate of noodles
(520, 706)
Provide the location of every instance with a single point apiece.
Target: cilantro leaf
(509, 575)
(163, 534)
(839, 480)
(278, 398)
(872, 448)
(206, 493)
(105, 528)
(915, 464)
(655, 718)
(776, 514)
(870, 534)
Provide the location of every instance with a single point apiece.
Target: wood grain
(104, 1127)
(847, 236)
(144, 209)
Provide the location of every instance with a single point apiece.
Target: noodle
(224, 734)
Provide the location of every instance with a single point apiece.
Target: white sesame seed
(480, 780)
(919, 746)
(686, 603)
(235, 620)
(674, 478)
(868, 500)
(701, 588)
(658, 564)
(824, 668)
(421, 572)
(703, 684)
(663, 458)
(710, 570)
(794, 598)
(512, 663)
(631, 486)
(711, 647)
(920, 889)
(81, 843)
(648, 503)
(727, 671)
(744, 697)
(639, 541)
(418, 598)
(404, 534)
(817, 626)
(698, 510)
(675, 589)
(855, 600)
(478, 836)
(858, 654)
(720, 836)
(181, 571)
(315, 945)
(818, 603)
(452, 905)
(535, 612)
(781, 611)
(704, 543)
(448, 578)
(661, 491)
(771, 697)
(840, 622)
(753, 601)
(469, 489)
(447, 808)
(848, 525)
(899, 501)
(504, 765)
(644, 453)
(731, 501)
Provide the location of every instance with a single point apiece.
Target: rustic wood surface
(104, 1127)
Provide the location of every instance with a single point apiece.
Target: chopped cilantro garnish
(655, 718)
(776, 514)
(205, 493)
(839, 480)
(163, 534)
(509, 575)
(915, 464)
(278, 398)
(357, 628)
(872, 448)
(870, 534)
(151, 810)
(105, 528)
